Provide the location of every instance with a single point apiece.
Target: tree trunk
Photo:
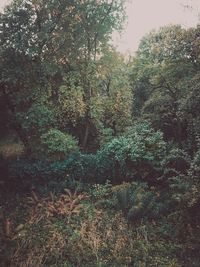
(85, 139)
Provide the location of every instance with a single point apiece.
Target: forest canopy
(87, 133)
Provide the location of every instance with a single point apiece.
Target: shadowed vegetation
(99, 156)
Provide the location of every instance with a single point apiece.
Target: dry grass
(11, 150)
(67, 230)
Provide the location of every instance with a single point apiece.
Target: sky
(146, 15)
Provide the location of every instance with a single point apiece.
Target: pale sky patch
(3, 3)
(146, 15)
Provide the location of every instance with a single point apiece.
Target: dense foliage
(100, 157)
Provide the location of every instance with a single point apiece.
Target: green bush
(181, 176)
(37, 120)
(178, 160)
(58, 145)
(137, 201)
(138, 155)
(25, 173)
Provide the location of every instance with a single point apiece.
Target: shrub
(38, 119)
(138, 155)
(25, 173)
(105, 135)
(181, 174)
(58, 145)
(137, 202)
(178, 160)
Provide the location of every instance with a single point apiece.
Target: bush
(22, 174)
(181, 176)
(138, 155)
(137, 201)
(58, 145)
(178, 160)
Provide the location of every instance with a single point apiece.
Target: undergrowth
(94, 228)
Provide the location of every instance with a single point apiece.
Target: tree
(165, 63)
(115, 92)
(49, 56)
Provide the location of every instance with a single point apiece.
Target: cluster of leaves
(58, 145)
(137, 155)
